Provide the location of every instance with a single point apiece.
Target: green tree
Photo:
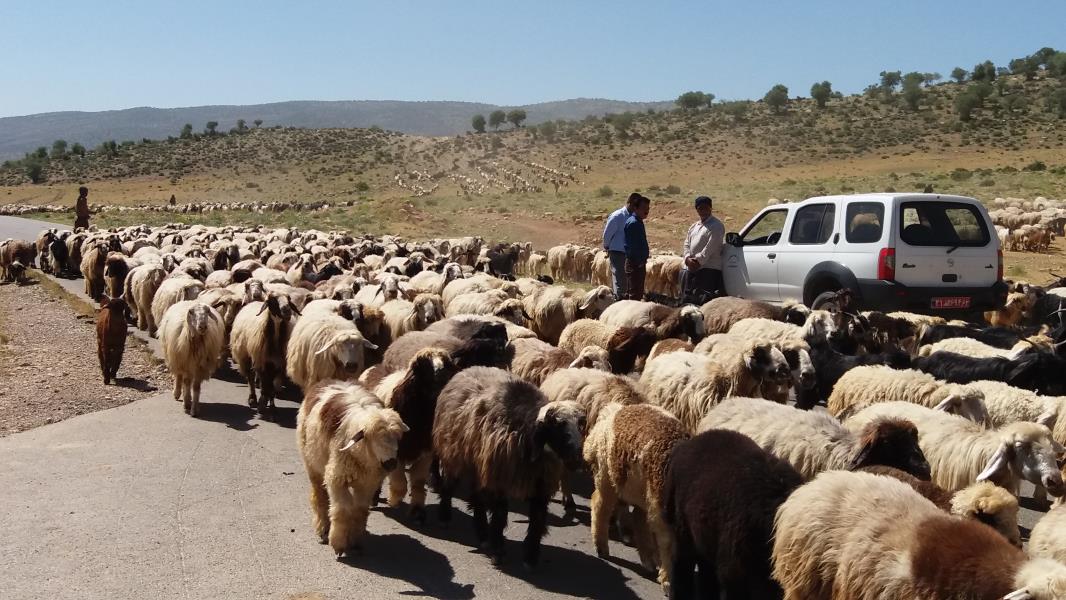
(621, 122)
(1056, 102)
(965, 103)
(1027, 66)
(496, 118)
(912, 89)
(931, 78)
(738, 109)
(1056, 64)
(959, 74)
(210, 128)
(890, 80)
(41, 153)
(1042, 55)
(59, 149)
(77, 149)
(821, 92)
(985, 71)
(547, 130)
(776, 98)
(478, 123)
(1014, 103)
(982, 90)
(516, 116)
(257, 123)
(694, 100)
(186, 131)
(241, 126)
(35, 170)
(110, 148)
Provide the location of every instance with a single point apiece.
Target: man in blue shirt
(615, 244)
(637, 251)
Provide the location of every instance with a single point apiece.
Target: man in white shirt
(701, 278)
(615, 244)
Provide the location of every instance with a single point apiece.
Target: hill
(22, 134)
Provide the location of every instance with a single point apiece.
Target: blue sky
(117, 54)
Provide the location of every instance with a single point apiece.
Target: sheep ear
(1022, 594)
(295, 310)
(579, 362)
(328, 345)
(996, 464)
(261, 309)
(587, 302)
(946, 404)
(861, 458)
(355, 440)
(1048, 418)
(369, 344)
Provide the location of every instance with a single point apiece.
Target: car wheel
(827, 300)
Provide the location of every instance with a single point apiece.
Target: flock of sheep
(1025, 225)
(418, 364)
(183, 208)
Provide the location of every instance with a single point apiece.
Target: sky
(112, 54)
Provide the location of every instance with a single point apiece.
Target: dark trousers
(635, 273)
(618, 273)
(701, 285)
(82, 222)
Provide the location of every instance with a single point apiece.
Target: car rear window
(865, 221)
(942, 224)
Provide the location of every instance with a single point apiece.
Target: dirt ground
(48, 366)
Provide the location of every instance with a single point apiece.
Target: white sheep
(819, 326)
(961, 452)
(689, 384)
(681, 322)
(325, 346)
(348, 441)
(724, 348)
(139, 291)
(402, 316)
(813, 441)
(258, 341)
(1048, 538)
(971, 347)
(191, 335)
(869, 384)
(554, 307)
(171, 291)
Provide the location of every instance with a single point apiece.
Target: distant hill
(22, 134)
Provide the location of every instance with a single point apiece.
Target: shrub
(362, 186)
(987, 182)
(673, 190)
(961, 174)
(1036, 165)
(605, 192)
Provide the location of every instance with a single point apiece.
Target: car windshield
(942, 224)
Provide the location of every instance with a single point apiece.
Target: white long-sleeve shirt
(704, 243)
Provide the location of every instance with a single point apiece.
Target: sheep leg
(683, 572)
(496, 526)
(245, 367)
(116, 360)
(319, 506)
(266, 387)
(604, 500)
(445, 491)
(643, 539)
(343, 523)
(397, 487)
(186, 395)
(1040, 497)
(538, 526)
(419, 474)
(101, 354)
(178, 382)
(195, 403)
(569, 504)
(664, 542)
(481, 522)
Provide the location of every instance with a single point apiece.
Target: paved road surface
(142, 501)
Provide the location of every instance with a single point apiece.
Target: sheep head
(964, 401)
(433, 367)
(1039, 579)
(511, 310)
(346, 351)
(199, 317)
(801, 365)
(766, 363)
(350, 310)
(558, 430)
(692, 319)
(823, 324)
(595, 301)
(991, 505)
(380, 432)
(592, 357)
(254, 291)
(280, 307)
(16, 270)
(893, 443)
(428, 309)
(1026, 451)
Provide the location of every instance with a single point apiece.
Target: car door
(807, 244)
(944, 244)
(750, 269)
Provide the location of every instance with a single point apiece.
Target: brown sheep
(15, 257)
(722, 313)
(535, 360)
(624, 345)
(111, 335)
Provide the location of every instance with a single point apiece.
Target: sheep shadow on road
(428, 570)
(234, 416)
(135, 384)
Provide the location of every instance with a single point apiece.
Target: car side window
(767, 230)
(864, 222)
(813, 224)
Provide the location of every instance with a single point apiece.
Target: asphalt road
(142, 501)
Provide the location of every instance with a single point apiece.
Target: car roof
(886, 196)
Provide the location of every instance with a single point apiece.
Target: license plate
(952, 302)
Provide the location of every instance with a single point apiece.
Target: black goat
(999, 337)
(831, 365)
(1040, 372)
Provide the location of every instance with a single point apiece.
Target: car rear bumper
(875, 294)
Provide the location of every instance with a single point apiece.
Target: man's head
(703, 207)
(633, 201)
(83, 192)
(642, 206)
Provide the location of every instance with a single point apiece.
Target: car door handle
(907, 266)
(771, 255)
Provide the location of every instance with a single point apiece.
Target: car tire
(825, 299)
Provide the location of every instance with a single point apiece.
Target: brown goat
(111, 335)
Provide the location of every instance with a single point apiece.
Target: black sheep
(1040, 372)
(831, 365)
(722, 492)
(999, 337)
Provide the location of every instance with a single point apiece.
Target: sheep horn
(1052, 314)
(355, 440)
(261, 309)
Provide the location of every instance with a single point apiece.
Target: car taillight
(886, 264)
(999, 265)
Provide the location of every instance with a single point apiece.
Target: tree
(497, 118)
(1056, 64)
(890, 80)
(821, 92)
(478, 123)
(59, 149)
(77, 149)
(186, 131)
(931, 78)
(257, 123)
(959, 74)
(965, 103)
(912, 89)
(621, 122)
(516, 116)
(982, 90)
(738, 109)
(41, 153)
(985, 71)
(241, 126)
(35, 171)
(1042, 55)
(776, 98)
(1056, 102)
(209, 129)
(547, 129)
(110, 147)
(694, 100)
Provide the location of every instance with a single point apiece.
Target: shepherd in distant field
(614, 242)
(81, 209)
(702, 277)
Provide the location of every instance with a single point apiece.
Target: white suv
(919, 252)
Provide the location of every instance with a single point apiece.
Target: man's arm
(715, 238)
(609, 230)
(687, 246)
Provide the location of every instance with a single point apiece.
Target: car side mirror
(733, 239)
